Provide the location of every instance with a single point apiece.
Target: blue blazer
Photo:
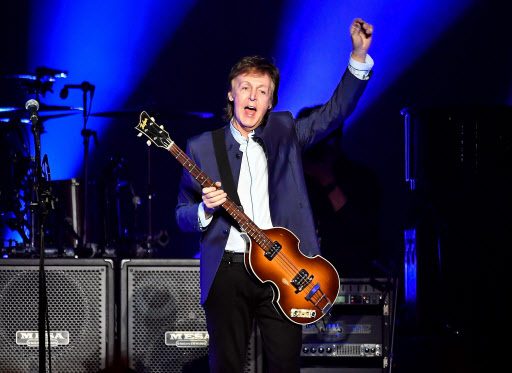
(284, 139)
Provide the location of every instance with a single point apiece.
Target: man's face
(252, 97)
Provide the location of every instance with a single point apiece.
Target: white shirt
(253, 181)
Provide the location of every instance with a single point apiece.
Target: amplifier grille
(164, 300)
(76, 304)
(163, 296)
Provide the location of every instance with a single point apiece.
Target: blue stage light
(313, 48)
(6, 233)
(110, 44)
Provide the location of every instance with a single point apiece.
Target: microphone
(32, 106)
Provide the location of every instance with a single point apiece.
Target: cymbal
(122, 113)
(44, 107)
(21, 77)
(42, 72)
(20, 112)
(130, 113)
(53, 116)
(42, 117)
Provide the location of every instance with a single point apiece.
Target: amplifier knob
(305, 350)
(321, 350)
(313, 349)
(329, 350)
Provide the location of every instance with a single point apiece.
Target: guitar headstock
(158, 136)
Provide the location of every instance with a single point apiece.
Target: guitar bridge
(272, 252)
(318, 291)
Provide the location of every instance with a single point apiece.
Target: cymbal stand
(150, 197)
(150, 249)
(86, 134)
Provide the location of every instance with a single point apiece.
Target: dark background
(459, 212)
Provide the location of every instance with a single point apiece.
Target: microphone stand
(44, 203)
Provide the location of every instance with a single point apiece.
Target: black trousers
(234, 302)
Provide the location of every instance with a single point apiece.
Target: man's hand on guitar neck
(213, 198)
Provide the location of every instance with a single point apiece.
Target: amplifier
(80, 312)
(358, 326)
(163, 326)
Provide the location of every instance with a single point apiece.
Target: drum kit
(66, 218)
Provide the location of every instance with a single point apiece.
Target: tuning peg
(161, 127)
(148, 142)
(139, 134)
(153, 119)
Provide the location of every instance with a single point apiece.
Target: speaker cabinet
(80, 312)
(163, 326)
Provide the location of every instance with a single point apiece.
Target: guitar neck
(232, 209)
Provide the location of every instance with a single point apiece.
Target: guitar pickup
(272, 252)
(301, 280)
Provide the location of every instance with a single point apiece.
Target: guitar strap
(226, 176)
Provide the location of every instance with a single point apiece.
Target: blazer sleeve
(189, 199)
(322, 121)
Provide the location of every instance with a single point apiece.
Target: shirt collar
(237, 135)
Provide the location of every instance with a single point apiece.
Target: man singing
(264, 156)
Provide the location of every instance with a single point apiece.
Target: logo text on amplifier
(31, 338)
(187, 339)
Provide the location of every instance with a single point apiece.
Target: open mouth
(250, 110)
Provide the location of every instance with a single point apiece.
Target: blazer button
(238, 155)
(225, 231)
